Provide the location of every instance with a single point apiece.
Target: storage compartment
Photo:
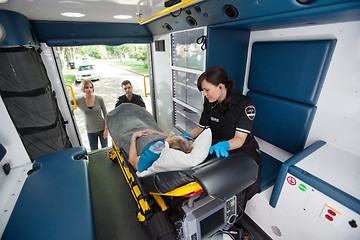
(185, 88)
(185, 118)
(185, 51)
(188, 63)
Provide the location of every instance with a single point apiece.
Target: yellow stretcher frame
(188, 190)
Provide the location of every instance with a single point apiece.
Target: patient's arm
(133, 156)
(151, 131)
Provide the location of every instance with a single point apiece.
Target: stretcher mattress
(128, 118)
(220, 178)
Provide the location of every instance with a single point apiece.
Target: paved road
(109, 88)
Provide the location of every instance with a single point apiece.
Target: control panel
(231, 211)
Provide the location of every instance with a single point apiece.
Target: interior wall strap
(31, 93)
(33, 130)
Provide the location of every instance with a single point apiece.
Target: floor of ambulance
(115, 209)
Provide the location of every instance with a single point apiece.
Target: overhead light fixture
(72, 14)
(3, 1)
(2, 32)
(70, 4)
(122, 17)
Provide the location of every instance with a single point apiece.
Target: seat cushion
(281, 122)
(293, 70)
(55, 202)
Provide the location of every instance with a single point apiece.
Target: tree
(68, 55)
(140, 53)
(126, 51)
(61, 53)
(113, 51)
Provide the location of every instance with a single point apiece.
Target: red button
(328, 217)
(331, 212)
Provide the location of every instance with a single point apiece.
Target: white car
(86, 72)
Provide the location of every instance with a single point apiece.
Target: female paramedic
(229, 115)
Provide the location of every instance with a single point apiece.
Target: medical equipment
(201, 195)
(206, 217)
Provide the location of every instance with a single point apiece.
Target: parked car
(86, 71)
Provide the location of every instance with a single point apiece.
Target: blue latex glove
(185, 135)
(220, 149)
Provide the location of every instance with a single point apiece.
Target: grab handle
(73, 96)
(146, 94)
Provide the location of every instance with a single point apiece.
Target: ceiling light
(72, 14)
(122, 17)
(3, 1)
(2, 33)
(71, 4)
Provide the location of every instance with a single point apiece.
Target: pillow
(171, 159)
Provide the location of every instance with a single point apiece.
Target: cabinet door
(193, 96)
(185, 118)
(187, 64)
(186, 52)
(185, 89)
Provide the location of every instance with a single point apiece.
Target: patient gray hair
(179, 143)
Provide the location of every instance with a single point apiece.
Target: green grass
(69, 79)
(135, 67)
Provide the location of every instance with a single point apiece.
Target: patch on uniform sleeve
(250, 112)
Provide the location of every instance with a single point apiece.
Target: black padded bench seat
(55, 202)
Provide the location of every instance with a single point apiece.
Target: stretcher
(217, 178)
(175, 193)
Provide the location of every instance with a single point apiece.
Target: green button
(302, 187)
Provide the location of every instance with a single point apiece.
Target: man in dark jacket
(129, 96)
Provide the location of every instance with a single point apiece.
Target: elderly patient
(146, 150)
(153, 150)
